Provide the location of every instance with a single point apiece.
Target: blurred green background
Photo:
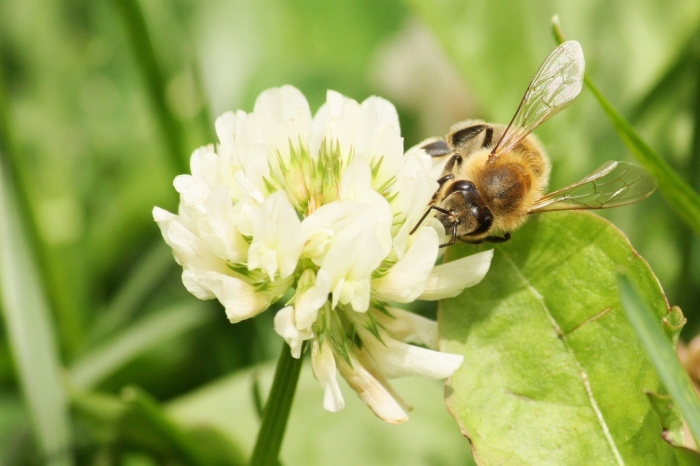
(93, 131)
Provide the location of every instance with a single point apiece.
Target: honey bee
(488, 188)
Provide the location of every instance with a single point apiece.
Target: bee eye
(476, 212)
(465, 187)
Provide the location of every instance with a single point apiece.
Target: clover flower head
(320, 208)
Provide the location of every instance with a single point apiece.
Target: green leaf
(30, 330)
(553, 372)
(662, 355)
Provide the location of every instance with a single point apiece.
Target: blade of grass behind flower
(667, 85)
(26, 310)
(145, 55)
(144, 277)
(662, 355)
(143, 335)
(31, 333)
(682, 198)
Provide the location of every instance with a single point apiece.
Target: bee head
(467, 214)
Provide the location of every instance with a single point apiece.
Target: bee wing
(558, 80)
(612, 185)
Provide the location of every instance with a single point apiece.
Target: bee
(488, 188)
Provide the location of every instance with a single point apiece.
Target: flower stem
(276, 413)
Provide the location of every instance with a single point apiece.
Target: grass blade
(662, 355)
(134, 341)
(30, 331)
(146, 275)
(145, 55)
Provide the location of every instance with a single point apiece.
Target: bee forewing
(612, 185)
(557, 82)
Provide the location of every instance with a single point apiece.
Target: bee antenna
(425, 215)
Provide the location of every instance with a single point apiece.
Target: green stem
(276, 413)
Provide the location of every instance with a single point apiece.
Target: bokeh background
(101, 104)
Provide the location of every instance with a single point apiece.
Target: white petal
(310, 301)
(286, 328)
(248, 133)
(435, 165)
(409, 327)
(378, 136)
(277, 237)
(406, 279)
(325, 371)
(339, 137)
(372, 392)
(276, 105)
(292, 134)
(189, 279)
(449, 280)
(222, 234)
(354, 225)
(225, 127)
(192, 191)
(190, 251)
(414, 188)
(354, 292)
(256, 170)
(397, 359)
(241, 300)
(355, 252)
(356, 184)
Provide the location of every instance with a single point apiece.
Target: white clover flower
(322, 206)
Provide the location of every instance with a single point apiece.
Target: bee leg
(453, 239)
(488, 135)
(450, 165)
(437, 148)
(445, 178)
(462, 136)
(442, 180)
(498, 239)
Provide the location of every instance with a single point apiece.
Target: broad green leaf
(553, 371)
(662, 355)
(30, 331)
(315, 436)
